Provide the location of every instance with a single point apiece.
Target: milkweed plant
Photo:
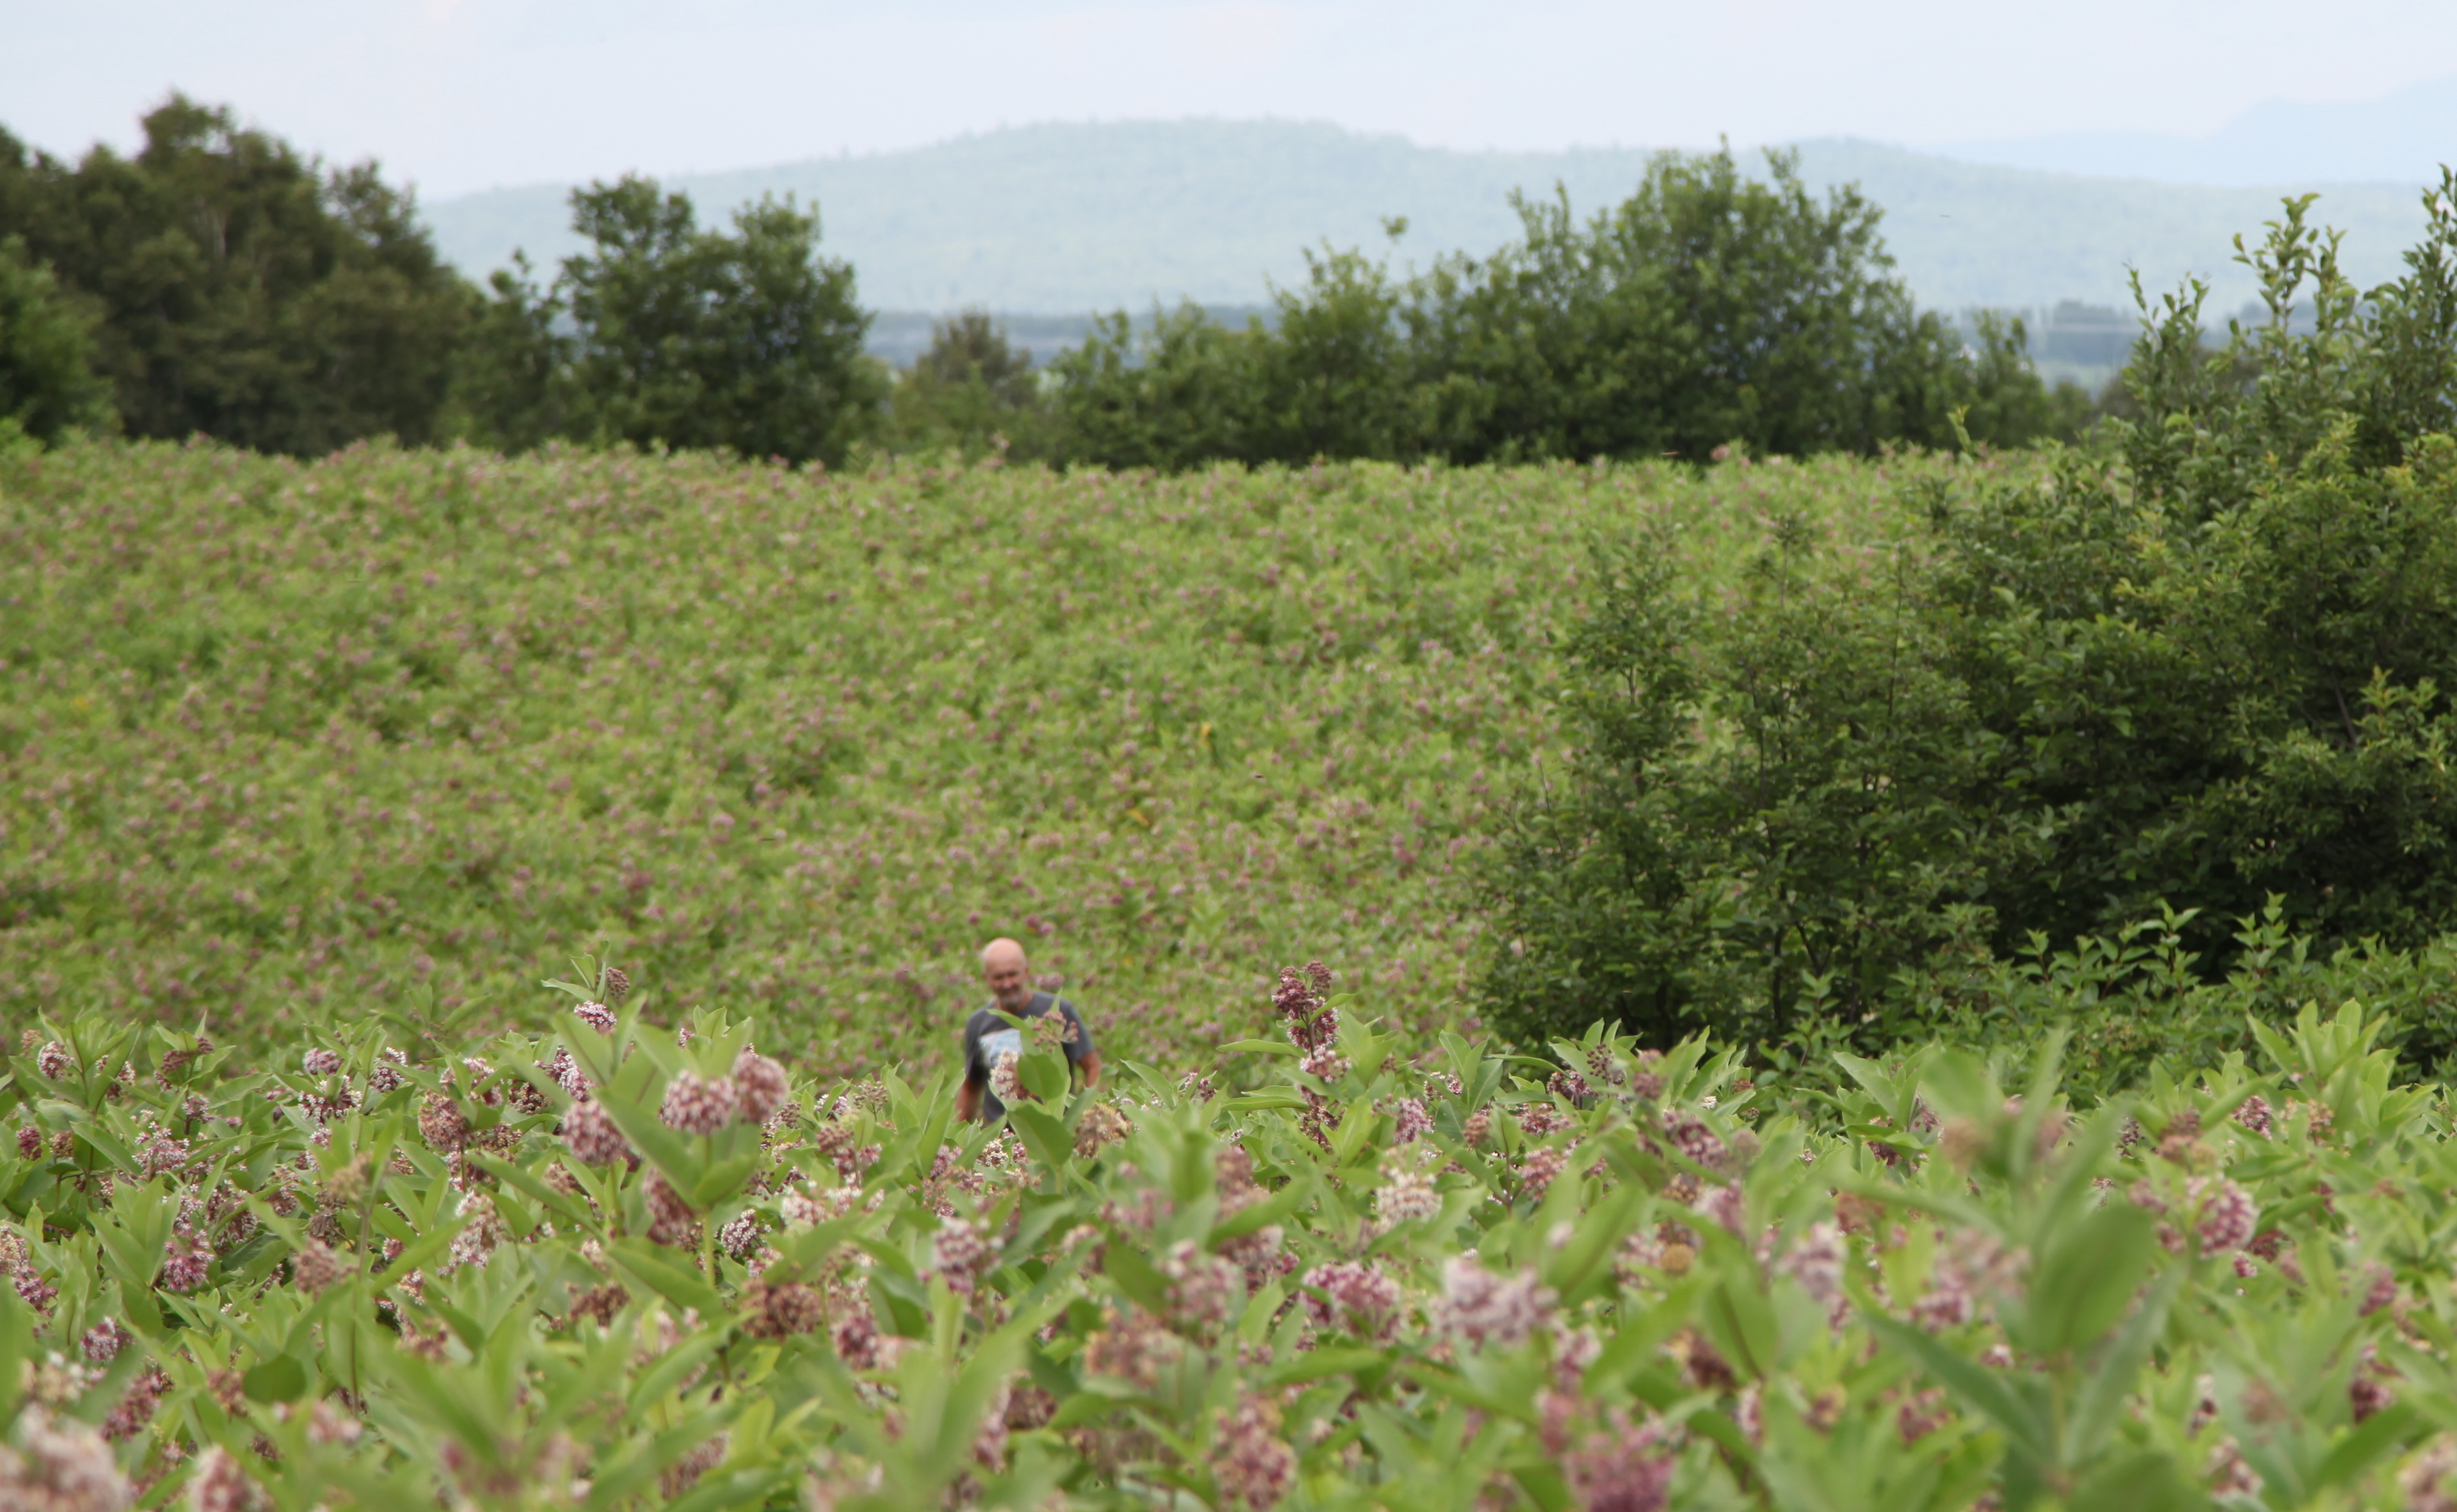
(615, 1263)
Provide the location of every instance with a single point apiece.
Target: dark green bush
(2203, 672)
(971, 391)
(1706, 308)
(47, 381)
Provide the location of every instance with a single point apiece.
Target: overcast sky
(465, 95)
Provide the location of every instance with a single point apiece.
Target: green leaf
(2375, 1439)
(2099, 1402)
(1043, 1133)
(281, 1378)
(1314, 1364)
(567, 1208)
(2086, 1279)
(1124, 1264)
(672, 1368)
(651, 1267)
(1985, 1391)
(2144, 1481)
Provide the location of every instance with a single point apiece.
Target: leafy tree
(1178, 392)
(664, 333)
(2207, 681)
(47, 382)
(511, 388)
(239, 289)
(971, 389)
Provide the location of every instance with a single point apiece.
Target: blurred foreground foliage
(598, 1264)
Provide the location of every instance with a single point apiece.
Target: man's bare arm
(1090, 1066)
(968, 1102)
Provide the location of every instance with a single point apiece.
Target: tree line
(220, 282)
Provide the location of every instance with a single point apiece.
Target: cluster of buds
(1204, 1289)
(843, 1147)
(701, 1105)
(1407, 1194)
(1815, 1260)
(1538, 1169)
(742, 1239)
(59, 1463)
(778, 1310)
(386, 1075)
(1621, 1468)
(1133, 1348)
(1252, 1464)
(2226, 1213)
(589, 1133)
(962, 1252)
(1004, 1084)
(1691, 1136)
(671, 1220)
(1973, 1268)
(1303, 1001)
(1355, 1296)
(1479, 1307)
(1101, 1124)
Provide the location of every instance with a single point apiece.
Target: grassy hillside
(282, 739)
(1066, 217)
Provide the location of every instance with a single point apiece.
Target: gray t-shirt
(987, 1037)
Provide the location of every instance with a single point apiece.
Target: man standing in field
(988, 1039)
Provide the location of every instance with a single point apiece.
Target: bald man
(987, 1037)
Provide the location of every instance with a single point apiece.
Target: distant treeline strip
(220, 282)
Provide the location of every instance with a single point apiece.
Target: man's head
(1002, 967)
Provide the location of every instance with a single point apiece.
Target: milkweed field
(280, 741)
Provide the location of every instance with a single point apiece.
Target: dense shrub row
(1707, 308)
(605, 1264)
(2201, 668)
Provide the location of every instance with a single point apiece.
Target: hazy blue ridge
(1062, 218)
(2400, 138)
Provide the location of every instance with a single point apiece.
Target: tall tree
(239, 289)
(665, 333)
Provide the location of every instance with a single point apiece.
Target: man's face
(1008, 980)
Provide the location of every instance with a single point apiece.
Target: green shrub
(971, 390)
(2068, 700)
(587, 1265)
(47, 382)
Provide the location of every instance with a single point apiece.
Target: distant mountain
(2400, 138)
(1063, 219)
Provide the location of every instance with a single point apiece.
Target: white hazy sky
(465, 95)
